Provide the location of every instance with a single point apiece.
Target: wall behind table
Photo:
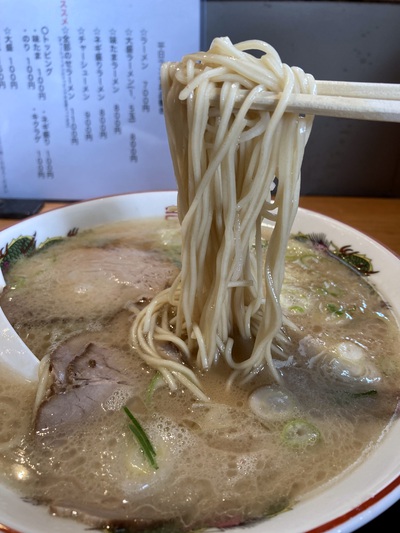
(350, 41)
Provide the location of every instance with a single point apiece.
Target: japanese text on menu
(80, 99)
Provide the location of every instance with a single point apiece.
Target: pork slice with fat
(85, 375)
(86, 283)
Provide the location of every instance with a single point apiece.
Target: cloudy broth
(253, 450)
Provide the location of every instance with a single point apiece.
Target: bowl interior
(360, 495)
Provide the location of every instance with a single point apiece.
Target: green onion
(299, 433)
(154, 384)
(142, 438)
(296, 309)
(334, 309)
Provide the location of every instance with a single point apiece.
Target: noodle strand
(227, 162)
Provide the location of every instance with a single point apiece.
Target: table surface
(377, 217)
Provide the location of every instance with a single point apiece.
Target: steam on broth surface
(252, 450)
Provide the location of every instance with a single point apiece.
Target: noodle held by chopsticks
(227, 162)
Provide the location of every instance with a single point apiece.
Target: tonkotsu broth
(220, 463)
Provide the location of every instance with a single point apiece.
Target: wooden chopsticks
(356, 100)
(381, 91)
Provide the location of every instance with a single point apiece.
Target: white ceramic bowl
(366, 492)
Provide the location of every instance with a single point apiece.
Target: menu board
(81, 111)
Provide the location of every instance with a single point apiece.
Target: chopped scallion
(154, 384)
(142, 438)
(299, 433)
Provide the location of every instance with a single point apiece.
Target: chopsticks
(356, 100)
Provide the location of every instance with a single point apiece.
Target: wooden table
(377, 217)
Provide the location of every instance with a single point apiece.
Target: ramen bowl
(347, 503)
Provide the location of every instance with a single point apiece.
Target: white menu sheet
(80, 99)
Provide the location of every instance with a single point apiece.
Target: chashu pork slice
(87, 283)
(83, 375)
